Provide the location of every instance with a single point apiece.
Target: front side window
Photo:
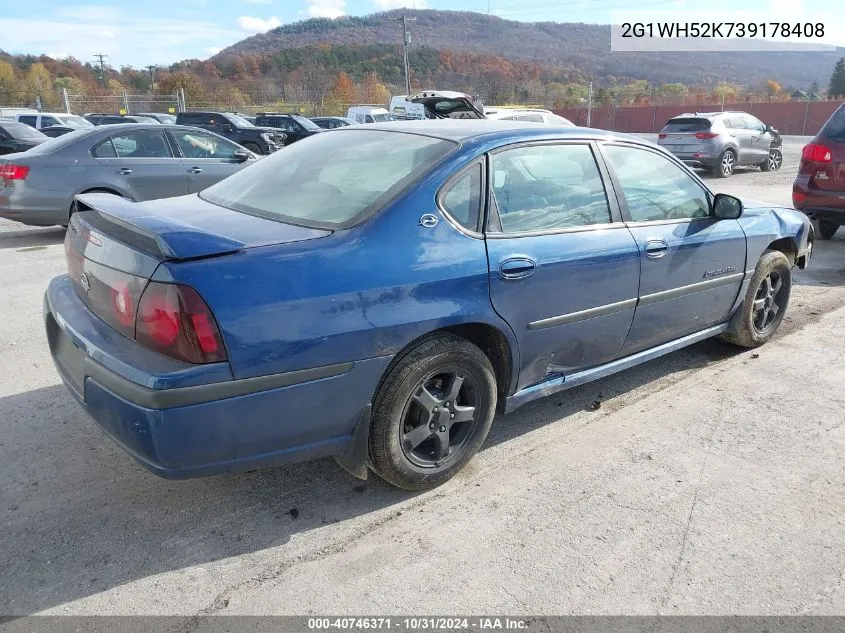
(753, 123)
(333, 180)
(199, 145)
(462, 198)
(655, 188)
(547, 187)
(48, 121)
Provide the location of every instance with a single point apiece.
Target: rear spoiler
(156, 234)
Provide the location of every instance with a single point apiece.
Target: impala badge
(85, 282)
(720, 271)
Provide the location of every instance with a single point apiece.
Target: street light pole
(406, 42)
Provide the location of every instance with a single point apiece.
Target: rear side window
(143, 144)
(834, 129)
(104, 150)
(548, 187)
(681, 125)
(462, 198)
(29, 120)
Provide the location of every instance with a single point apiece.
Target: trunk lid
(445, 104)
(113, 246)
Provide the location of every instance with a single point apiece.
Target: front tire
(765, 303)
(773, 162)
(432, 412)
(825, 229)
(727, 163)
(254, 148)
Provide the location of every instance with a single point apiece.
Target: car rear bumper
(206, 429)
(819, 204)
(34, 206)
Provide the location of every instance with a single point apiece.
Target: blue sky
(164, 31)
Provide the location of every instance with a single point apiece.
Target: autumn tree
(39, 83)
(343, 89)
(170, 83)
(837, 80)
(772, 88)
(373, 91)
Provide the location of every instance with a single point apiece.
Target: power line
(406, 42)
(101, 57)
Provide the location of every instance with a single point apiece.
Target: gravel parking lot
(708, 482)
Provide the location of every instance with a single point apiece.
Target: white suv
(527, 114)
(41, 120)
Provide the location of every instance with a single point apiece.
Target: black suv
(295, 126)
(259, 140)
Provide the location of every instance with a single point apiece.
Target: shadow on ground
(79, 516)
(32, 237)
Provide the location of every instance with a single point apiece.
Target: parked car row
(133, 160)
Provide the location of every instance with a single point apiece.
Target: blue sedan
(378, 293)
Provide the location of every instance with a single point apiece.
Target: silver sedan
(136, 161)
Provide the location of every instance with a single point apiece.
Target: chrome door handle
(124, 171)
(195, 170)
(655, 249)
(516, 268)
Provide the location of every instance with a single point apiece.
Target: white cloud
(213, 50)
(385, 5)
(259, 1)
(125, 37)
(257, 25)
(326, 8)
(57, 55)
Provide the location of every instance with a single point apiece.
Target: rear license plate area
(69, 358)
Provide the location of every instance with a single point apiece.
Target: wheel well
(495, 346)
(786, 246)
(94, 190)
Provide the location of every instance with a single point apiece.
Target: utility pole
(151, 68)
(102, 57)
(406, 42)
(589, 104)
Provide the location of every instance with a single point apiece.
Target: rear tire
(727, 163)
(432, 412)
(72, 209)
(825, 229)
(765, 303)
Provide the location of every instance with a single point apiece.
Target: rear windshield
(834, 129)
(330, 180)
(687, 125)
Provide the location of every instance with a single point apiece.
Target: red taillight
(816, 153)
(174, 320)
(702, 136)
(798, 198)
(662, 135)
(13, 172)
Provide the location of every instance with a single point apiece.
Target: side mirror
(242, 155)
(726, 207)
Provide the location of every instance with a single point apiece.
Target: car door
(206, 158)
(760, 140)
(742, 136)
(692, 264)
(563, 273)
(143, 163)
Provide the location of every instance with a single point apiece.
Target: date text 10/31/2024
(418, 624)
